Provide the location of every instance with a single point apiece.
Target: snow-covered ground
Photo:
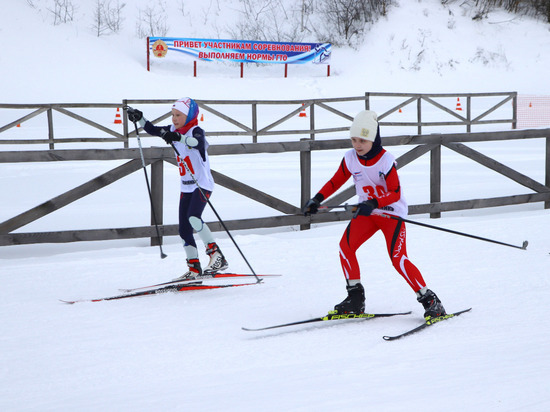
(187, 351)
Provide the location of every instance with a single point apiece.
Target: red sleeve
(394, 189)
(336, 182)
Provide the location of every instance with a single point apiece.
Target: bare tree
(152, 22)
(267, 20)
(209, 10)
(542, 8)
(98, 23)
(107, 17)
(346, 17)
(306, 10)
(113, 15)
(481, 8)
(182, 9)
(63, 11)
(344, 22)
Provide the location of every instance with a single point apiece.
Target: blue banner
(240, 50)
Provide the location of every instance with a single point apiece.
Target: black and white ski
(198, 280)
(164, 289)
(428, 322)
(331, 316)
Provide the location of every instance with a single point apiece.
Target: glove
(134, 115)
(170, 137)
(365, 208)
(312, 205)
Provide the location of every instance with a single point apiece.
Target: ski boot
(194, 271)
(355, 302)
(217, 260)
(432, 305)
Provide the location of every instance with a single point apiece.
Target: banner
(242, 51)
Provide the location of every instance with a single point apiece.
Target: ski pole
(258, 280)
(352, 207)
(523, 247)
(162, 254)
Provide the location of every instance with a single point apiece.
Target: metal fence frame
(252, 130)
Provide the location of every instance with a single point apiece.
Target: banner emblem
(160, 48)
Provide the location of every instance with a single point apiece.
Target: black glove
(170, 137)
(366, 208)
(312, 205)
(134, 115)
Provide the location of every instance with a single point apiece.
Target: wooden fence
(425, 109)
(288, 214)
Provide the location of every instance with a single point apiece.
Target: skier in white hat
(189, 140)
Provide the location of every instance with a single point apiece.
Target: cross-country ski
(427, 323)
(164, 289)
(199, 279)
(331, 316)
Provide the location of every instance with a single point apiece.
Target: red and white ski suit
(374, 179)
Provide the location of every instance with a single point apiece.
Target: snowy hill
(187, 351)
(421, 46)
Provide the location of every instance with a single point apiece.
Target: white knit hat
(365, 125)
(182, 105)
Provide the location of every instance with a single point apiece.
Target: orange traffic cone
(530, 105)
(303, 112)
(118, 119)
(202, 117)
(458, 107)
(18, 125)
(400, 111)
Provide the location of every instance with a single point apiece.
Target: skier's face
(178, 118)
(361, 146)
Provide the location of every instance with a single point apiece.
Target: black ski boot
(431, 304)
(355, 302)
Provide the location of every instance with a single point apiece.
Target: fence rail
(291, 216)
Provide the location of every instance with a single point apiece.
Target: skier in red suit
(377, 185)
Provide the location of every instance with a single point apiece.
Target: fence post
(435, 179)
(305, 174)
(367, 101)
(419, 115)
(515, 112)
(125, 123)
(255, 123)
(157, 189)
(312, 121)
(547, 163)
(50, 128)
(469, 114)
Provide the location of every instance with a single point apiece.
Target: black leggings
(191, 204)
